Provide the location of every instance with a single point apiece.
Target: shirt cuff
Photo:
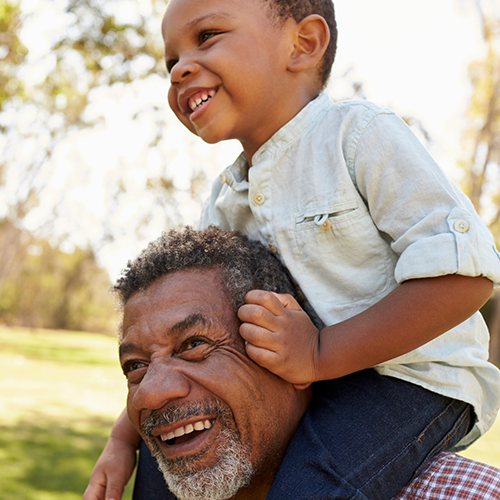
(461, 250)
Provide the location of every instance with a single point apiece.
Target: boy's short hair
(299, 9)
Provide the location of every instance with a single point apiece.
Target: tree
(481, 162)
(54, 289)
(45, 96)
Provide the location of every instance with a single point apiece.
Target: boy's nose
(160, 385)
(183, 70)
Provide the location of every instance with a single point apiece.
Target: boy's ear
(311, 39)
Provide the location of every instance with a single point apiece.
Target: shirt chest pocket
(343, 252)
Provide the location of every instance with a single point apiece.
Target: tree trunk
(495, 330)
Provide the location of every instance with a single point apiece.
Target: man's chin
(189, 479)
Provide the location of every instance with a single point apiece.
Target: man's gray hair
(245, 264)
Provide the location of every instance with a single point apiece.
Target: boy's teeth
(180, 431)
(194, 102)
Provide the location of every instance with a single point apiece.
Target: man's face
(228, 69)
(199, 402)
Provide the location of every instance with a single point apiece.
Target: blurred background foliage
(481, 145)
(45, 287)
(62, 390)
(47, 96)
(41, 285)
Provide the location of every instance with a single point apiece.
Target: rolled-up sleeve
(432, 225)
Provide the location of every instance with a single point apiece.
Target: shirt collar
(235, 175)
(294, 128)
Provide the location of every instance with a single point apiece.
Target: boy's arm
(415, 313)
(281, 337)
(116, 463)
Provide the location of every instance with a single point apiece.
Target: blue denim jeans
(363, 437)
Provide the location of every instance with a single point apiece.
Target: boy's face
(228, 69)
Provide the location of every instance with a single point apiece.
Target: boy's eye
(206, 35)
(170, 64)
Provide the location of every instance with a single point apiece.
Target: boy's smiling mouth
(200, 98)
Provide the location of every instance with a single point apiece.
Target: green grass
(487, 448)
(60, 393)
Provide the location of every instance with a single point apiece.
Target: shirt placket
(260, 199)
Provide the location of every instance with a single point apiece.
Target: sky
(410, 55)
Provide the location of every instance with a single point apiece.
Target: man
(217, 423)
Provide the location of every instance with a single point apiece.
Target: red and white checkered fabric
(452, 477)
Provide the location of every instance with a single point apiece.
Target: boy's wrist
(317, 358)
(327, 366)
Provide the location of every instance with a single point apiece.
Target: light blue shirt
(353, 205)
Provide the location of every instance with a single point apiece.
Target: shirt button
(223, 178)
(259, 199)
(326, 225)
(462, 226)
(273, 248)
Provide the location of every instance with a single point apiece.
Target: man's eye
(131, 366)
(192, 343)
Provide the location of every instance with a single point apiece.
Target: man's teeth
(180, 431)
(195, 102)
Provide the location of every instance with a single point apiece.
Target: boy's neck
(285, 117)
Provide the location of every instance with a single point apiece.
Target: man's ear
(311, 39)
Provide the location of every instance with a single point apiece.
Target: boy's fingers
(263, 357)
(94, 491)
(114, 492)
(258, 337)
(301, 387)
(257, 315)
(268, 300)
(103, 489)
(287, 301)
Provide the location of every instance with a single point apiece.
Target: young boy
(391, 257)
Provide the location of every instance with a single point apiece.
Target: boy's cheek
(174, 106)
(172, 99)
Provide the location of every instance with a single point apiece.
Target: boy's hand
(280, 336)
(112, 471)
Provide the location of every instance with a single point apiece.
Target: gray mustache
(178, 413)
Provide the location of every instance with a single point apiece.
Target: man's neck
(254, 491)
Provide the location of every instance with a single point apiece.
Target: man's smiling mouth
(183, 433)
(200, 98)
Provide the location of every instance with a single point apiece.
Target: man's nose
(183, 69)
(160, 385)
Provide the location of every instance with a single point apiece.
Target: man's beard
(232, 471)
